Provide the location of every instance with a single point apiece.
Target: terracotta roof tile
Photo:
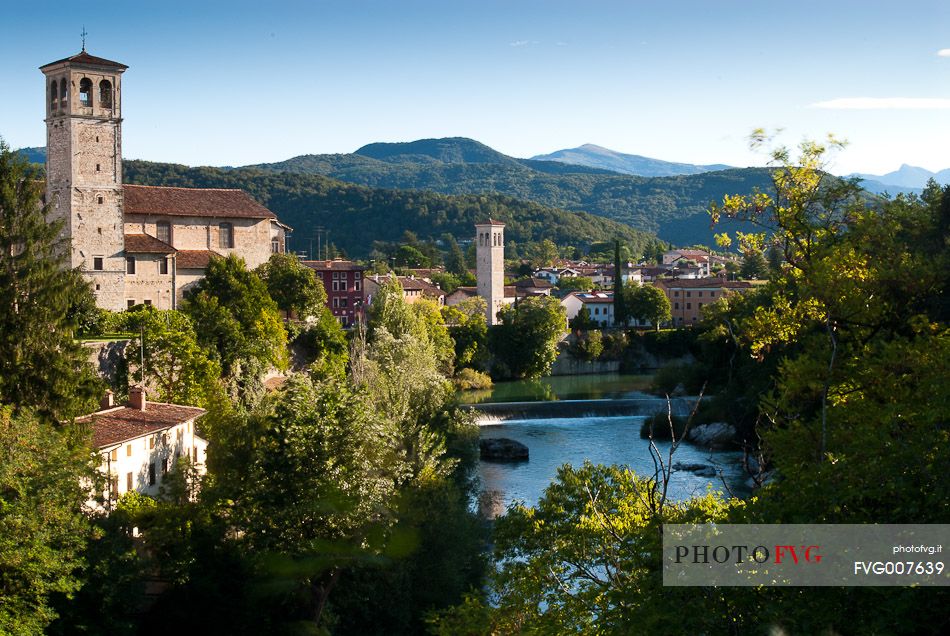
(334, 265)
(88, 60)
(194, 259)
(711, 283)
(146, 244)
(490, 222)
(209, 202)
(123, 423)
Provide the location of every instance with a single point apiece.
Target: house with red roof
(140, 442)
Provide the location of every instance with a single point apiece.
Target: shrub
(470, 379)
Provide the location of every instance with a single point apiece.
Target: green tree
(542, 254)
(582, 321)
(575, 283)
(754, 266)
(455, 258)
(647, 304)
(409, 256)
(238, 323)
(588, 559)
(447, 282)
(175, 364)
(588, 346)
(41, 365)
(294, 287)
(43, 531)
(524, 344)
(468, 328)
(621, 312)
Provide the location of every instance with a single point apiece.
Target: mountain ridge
(595, 156)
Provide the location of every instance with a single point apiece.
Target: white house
(140, 442)
(600, 305)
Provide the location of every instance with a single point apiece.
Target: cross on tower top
(83, 35)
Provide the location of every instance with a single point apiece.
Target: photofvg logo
(804, 554)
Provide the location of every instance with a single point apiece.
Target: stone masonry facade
(135, 244)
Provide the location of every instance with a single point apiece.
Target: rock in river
(502, 449)
(700, 470)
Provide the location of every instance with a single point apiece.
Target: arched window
(225, 235)
(105, 94)
(85, 92)
(163, 232)
(62, 93)
(53, 95)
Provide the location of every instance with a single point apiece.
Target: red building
(343, 281)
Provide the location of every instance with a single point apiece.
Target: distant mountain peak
(594, 156)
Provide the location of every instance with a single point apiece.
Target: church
(135, 244)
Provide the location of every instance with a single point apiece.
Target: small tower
(490, 266)
(84, 167)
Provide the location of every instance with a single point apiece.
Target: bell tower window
(85, 92)
(105, 94)
(53, 95)
(62, 93)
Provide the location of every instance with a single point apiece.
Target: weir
(638, 406)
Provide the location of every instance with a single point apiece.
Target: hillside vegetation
(672, 207)
(357, 215)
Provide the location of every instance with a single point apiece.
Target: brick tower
(490, 266)
(84, 168)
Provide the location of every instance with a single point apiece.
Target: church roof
(83, 58)
(208, 202)
(146, 244)
(490, 222)
(194, 259)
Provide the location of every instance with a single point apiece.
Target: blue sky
(232, 83)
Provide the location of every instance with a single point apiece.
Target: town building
(490, 266)
(134, 244)
(688, 297)
(140, 442)
(344, 282)
(600, 306)
(413, 289)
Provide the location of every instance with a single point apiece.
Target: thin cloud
(517, 43)
(943, 53)
(884, 103)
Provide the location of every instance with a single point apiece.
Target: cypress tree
(620, 309)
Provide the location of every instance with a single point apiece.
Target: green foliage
(583, 321)
(673, 206)
(647, 303)
(43, 531)
(468, 328)
(176, 366)
(447, 282)
(238, 322)
(754, 266)
(587, 559)
(42, 304)
(306, 201)
(575, 283)
(524, 343)
(293, 286)
(588, 346)
(470, 380)
(323, 345)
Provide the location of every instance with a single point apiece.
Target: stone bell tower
(490, 266)
(84, 167)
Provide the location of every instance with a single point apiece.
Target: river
(585, 433)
